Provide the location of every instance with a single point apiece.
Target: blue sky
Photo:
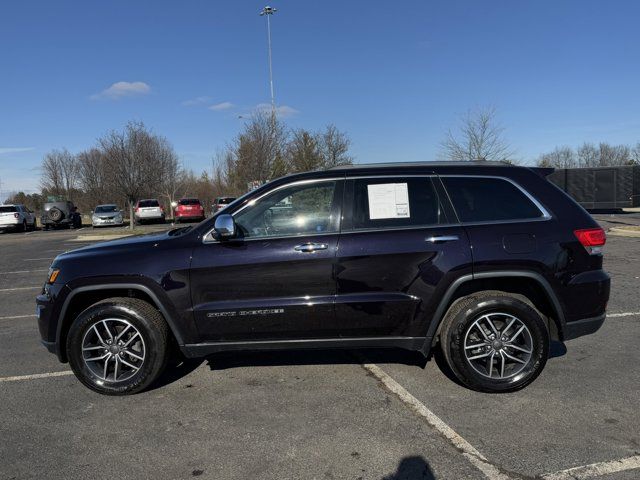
(394, 75)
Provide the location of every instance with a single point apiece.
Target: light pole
(267, 12)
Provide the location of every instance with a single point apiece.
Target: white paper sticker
(388, 200)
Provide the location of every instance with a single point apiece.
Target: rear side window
(478, 199)
(148, 203)
(395, 202)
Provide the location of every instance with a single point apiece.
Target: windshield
(4, 209)
(148, 203)
(106, 208)
(189, 201)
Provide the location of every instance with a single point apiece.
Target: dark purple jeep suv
(486, 260)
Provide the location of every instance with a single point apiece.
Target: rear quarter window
(478, 199)
(8, 209)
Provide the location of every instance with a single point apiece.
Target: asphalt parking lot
(324, 414)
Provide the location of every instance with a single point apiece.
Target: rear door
(400, 247)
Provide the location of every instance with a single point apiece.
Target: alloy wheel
(113, 349)
(498, 345)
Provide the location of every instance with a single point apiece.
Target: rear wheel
(495, 341)
(23, 227)
(118, 346)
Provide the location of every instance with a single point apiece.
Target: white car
(16, 217)
(148, 210)
(106, 215)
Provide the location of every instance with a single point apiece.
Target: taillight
(592, 239)
(137, 209)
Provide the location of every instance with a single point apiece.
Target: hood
(141, 242)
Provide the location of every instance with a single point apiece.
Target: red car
(189, 209)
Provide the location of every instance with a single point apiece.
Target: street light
(267, 12)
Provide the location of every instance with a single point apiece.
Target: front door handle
(442, 238)
(311, 247)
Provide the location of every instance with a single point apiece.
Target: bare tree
(561, 157)
(59, 173)
(137, 161)
(635, 154)
(479, 137)
(334, 147)
(588, 155)
(93, 176)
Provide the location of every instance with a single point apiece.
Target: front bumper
(47, 312)
(106, 222)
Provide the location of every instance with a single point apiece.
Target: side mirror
(224, 226)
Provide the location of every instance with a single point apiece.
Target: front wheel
(495, 341)
(118, 346)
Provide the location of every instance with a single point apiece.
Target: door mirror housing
(225, 226)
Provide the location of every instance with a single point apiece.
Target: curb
(623, 232)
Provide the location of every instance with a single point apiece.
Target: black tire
(459, 327)
(151, 327)
(23, 227)
(46, 226)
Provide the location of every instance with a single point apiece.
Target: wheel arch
(82, 297)
(530, 284)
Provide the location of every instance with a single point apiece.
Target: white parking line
(468, 451)
(624, 314)
(35, 376)
(34, 259)
(25, 271)
(596, 469)
(19, 288)
(14, 317)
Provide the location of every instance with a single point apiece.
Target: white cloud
(4, 150)
(221, 106)
(196, 101)
(123, 89)
(283, 111)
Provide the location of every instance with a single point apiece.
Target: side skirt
(195, 350)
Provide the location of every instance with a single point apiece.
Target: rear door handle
(311, 247)
(442, 238)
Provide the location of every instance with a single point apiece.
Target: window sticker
(388, 200)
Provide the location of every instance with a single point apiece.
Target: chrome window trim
(545, 213)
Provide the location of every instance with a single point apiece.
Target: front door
(398, 252)
(275, 281)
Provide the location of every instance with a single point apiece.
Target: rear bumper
(586, 326)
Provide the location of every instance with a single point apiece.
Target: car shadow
(227, 360)
(181, 367)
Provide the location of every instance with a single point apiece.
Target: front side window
(395, 202)
(483, 199)
(296, 210)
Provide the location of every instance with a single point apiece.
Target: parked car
(148, 211)
(488, 262)
(189, 210)
(16, 217)
(107, 215)
(221, 202)
(62, 214)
